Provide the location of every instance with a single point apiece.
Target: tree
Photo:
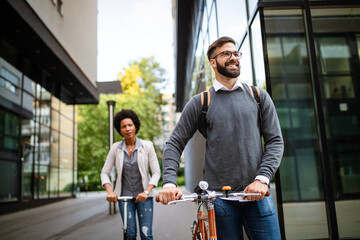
(141, 84)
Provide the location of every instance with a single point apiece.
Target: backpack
(205, 103)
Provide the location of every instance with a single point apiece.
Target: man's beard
(233, 73)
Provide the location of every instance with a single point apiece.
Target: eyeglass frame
(232, 53)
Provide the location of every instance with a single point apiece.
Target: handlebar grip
(157, 198)
(267, 193)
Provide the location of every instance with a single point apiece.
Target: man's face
(227, 66)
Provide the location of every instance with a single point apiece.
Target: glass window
(246, 74)
(66, 165)
(66, 126)
(336, 32)
(27, 155)
(232, 19)
(9, 132)
(300, 169)
(9, 178)
(66, 151)
(335, 55)
(54, 181)
(55, 120)
(28, 105)
(213, 32)
(258, 54)
(205, 26)
(66, 182)
(338, 87)
(8, 80)
(29, 86)
(44, 106)
(198, 72)
(43, 179)
(67, 110)
(209, 4)
(54, 148)
(251, 6)
(55, 103)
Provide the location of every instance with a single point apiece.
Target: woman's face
(127, 128)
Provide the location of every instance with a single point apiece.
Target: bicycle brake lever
(181, 200)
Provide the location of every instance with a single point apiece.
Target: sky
(131, 30)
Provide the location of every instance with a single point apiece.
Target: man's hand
(169, 194)
(111, 197)
(257, 187)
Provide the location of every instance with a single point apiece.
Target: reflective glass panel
(232, 19)
(336, 33)
(27, 155)
(246, 74)
(66, 125)
(258, 54)
(45, 107)
(9, 133)
(43, 179)
(66, 182)
(9, 175)
(66, 165)
(213, 32)
(198, 72)
(28, 105)
(251, 5)
(55, 140)
(54, 181)
(300, 169)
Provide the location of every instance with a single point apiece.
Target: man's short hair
(218, 43)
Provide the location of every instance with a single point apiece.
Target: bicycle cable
(218, 204)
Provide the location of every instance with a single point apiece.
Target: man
(234, 154)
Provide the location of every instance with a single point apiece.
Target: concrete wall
(194, 154)
(75, 28)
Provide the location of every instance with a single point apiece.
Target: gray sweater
(234, 154)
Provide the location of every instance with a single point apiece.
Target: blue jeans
(258, 218)
(144, 212)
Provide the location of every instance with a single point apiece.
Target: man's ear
(213, 63)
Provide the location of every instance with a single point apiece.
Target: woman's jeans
(258, 218)
(144, 212)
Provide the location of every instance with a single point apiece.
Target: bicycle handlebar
(124, 198)
(208, 195)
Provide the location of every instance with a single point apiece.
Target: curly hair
(126, 113)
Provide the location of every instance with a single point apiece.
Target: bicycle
(204, 227)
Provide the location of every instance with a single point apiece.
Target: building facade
(306, 54)
(48, 53)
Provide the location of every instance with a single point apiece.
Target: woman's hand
(111, 197)
(141, 197)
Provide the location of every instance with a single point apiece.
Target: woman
(132, 158)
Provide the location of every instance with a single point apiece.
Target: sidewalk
(87, 217)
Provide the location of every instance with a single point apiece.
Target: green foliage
(141, 94)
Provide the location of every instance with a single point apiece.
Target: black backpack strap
(256, 93)
(205, 102)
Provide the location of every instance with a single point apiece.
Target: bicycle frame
(201, 223)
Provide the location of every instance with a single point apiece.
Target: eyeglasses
(227, 54)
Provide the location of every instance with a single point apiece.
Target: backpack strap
(205, 102)
(255, 92)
